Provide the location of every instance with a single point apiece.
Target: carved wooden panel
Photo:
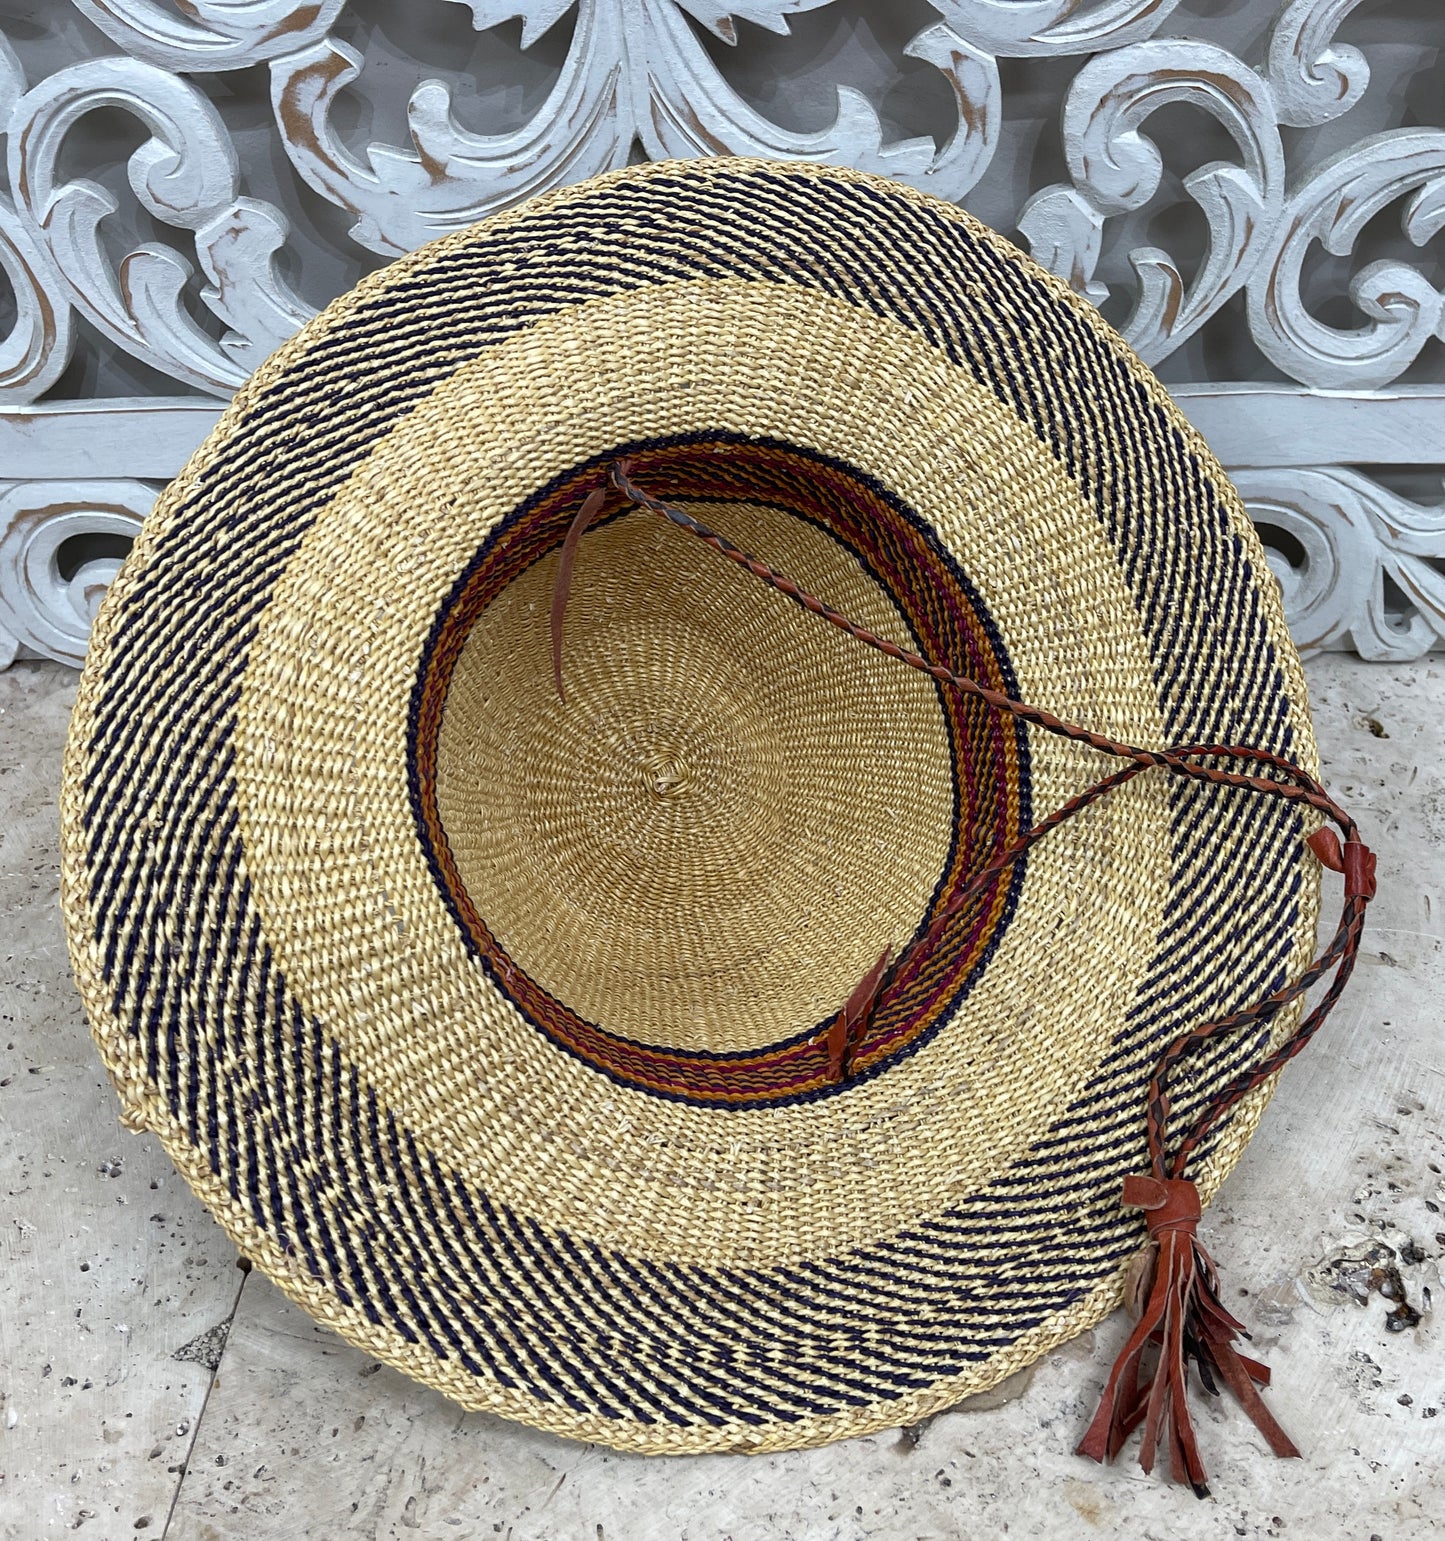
(1250, 191)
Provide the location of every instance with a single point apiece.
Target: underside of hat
(493, 1023)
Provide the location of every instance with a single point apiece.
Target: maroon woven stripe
(985, 753)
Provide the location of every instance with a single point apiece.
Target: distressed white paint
(1116, 168)
(1354, 534)
(207, 298)
(50, 604)
(185, 175)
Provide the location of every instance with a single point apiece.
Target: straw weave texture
(491, 1025)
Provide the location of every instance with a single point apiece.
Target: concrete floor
(150, 1389)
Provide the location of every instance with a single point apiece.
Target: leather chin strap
(1173, 1282)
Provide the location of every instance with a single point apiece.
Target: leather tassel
(1173, 1288)
(1181, 1319)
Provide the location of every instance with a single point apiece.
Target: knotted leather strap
(1182, 1317)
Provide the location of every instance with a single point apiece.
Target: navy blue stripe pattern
(287, 1123)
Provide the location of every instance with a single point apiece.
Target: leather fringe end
(848, 1029)
(562, 587)
(1181, 1319)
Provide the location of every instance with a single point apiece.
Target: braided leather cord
(1287, 781)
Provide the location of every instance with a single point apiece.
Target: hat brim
(411, 1104)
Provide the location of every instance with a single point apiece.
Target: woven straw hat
(498, 1028)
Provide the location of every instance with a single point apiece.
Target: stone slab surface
(115, 1284)
(126, 1410)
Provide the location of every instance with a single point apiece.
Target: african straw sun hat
(744, 1045)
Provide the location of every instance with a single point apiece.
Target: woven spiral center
(495, 1028)
(666, 773)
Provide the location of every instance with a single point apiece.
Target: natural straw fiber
(491, 1025)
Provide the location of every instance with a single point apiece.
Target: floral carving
(1021, 28)
(47, 605)
(37, 348)
(1314, 78)
(186, 175)
(211, 34)
(634, 71)
(1332, 207)
(1116, 168)
(205, 297)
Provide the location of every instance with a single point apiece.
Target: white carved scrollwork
(1354, 534)
(449, 178)
(1044, 28)
(683, 106)
(1116, 168)
(1314, 78)
(47, 603)
(634, 70)
(186, 175)
(34, 354)
(211, 34)
(1404, 308)
(206, 297)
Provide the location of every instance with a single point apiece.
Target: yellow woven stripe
(350, 906)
